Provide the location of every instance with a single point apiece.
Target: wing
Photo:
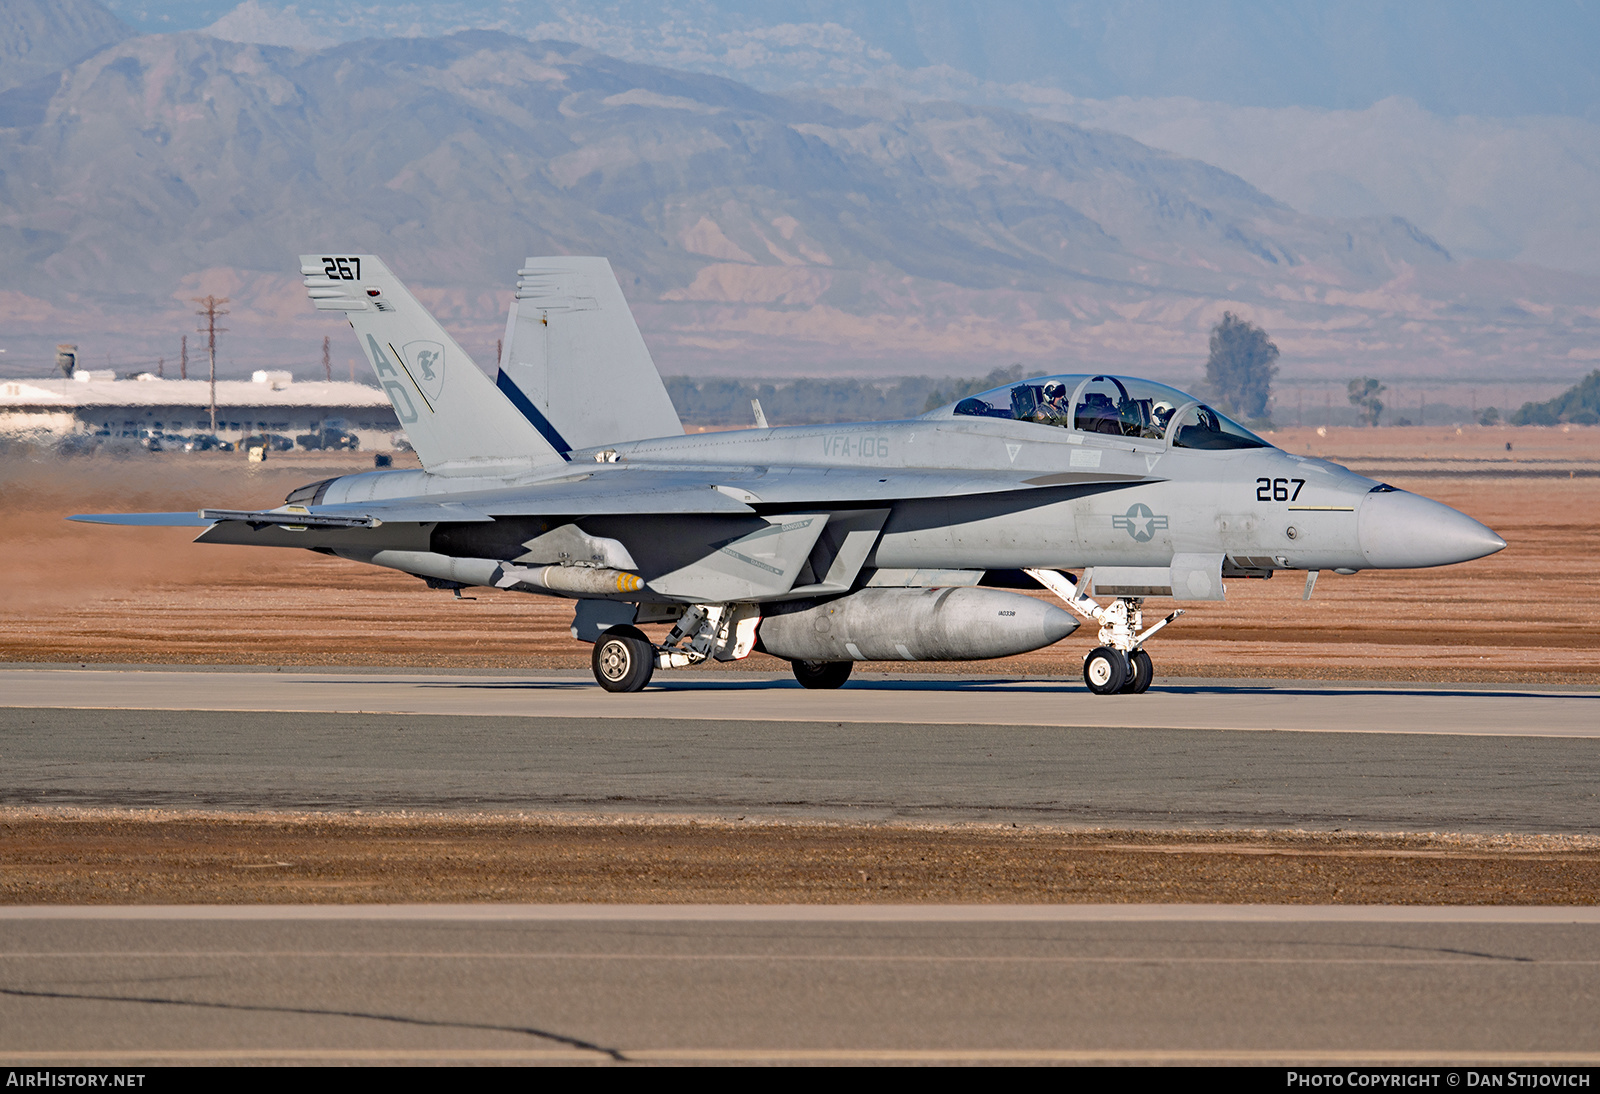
(619, 490)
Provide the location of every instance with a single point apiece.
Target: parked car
(329, 440)
(272, 442)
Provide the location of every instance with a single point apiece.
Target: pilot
(1053, 409)
(1161, 417)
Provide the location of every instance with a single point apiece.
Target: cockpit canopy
(1123, 406)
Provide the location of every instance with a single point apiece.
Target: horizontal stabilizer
(374, 515)
(145, 520)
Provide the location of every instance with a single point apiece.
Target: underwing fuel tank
(961, 624)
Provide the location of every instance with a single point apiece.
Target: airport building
(93, 406)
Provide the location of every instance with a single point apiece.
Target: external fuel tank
(959, 624)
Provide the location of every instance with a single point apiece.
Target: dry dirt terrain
(157, 857)
(81, 593)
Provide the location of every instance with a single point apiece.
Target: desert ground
(83, 593)
(165, 857)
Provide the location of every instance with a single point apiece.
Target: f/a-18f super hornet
(570, 476)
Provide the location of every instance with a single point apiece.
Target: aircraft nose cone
(1399, 530)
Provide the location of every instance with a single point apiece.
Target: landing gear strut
(1119, 664)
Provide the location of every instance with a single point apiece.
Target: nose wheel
(1141, 670)
(1108, 671)
(1104, 670)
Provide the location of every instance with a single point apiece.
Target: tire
(822, 674)
(623, 659)
(1104, 670)
(1141, 670)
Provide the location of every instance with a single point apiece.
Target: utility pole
(327, 363)
(211, 307)
(183, 359)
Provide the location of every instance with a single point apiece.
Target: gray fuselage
(1080, 499)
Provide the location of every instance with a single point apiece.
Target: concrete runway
(869, 698)
(518, 984)
(944, 748)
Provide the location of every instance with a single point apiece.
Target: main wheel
(623, 659)
(1141, 670)
(822, 674)
(1104, 670)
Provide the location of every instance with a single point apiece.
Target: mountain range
(1452, 57)
(756, 233)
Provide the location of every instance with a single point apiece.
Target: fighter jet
(570, 475)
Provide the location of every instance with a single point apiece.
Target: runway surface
(1097, 984)
(1206, 755)
(930, 700)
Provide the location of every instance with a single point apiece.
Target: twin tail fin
(453, 415)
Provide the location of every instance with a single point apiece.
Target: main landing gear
(822, 674)
(1119, 665)
(623, 659)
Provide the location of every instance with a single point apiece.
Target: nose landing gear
(1105, 670)
(1141, 670)
(1119, 665)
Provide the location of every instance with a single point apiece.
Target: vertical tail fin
(455, 418)
(574, 361)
